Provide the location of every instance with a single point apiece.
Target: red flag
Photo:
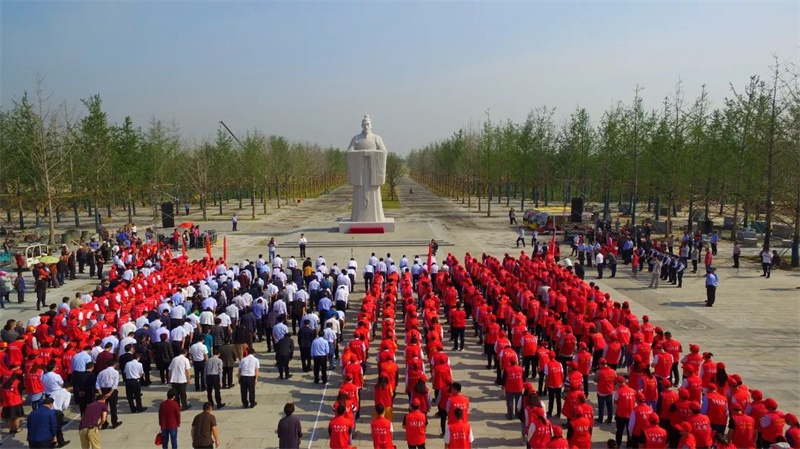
(430, 256)
(225, 248)
(208, 246)
(551, 250)
(183, 247)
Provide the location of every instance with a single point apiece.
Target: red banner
(225, 248)
(183, 247)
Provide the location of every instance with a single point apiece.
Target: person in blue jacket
(42, 426)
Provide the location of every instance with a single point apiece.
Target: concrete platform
(345, 225)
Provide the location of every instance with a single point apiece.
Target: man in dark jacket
(162, 353)
(289, 429)
(304, 340)
(284, 351)
(42, 426)
(228, 354)
(83, 385)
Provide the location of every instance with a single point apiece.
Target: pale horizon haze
(310, 70)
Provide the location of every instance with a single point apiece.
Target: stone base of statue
(366, 227)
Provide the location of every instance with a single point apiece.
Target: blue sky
(309, 71)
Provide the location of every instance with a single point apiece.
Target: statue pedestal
(366, 227)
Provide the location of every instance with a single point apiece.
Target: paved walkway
(753, 327)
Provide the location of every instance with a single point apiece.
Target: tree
(38, 134)
(394, 171)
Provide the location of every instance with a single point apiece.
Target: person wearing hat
(793, 432)
(687, 440)
(715, 406)
(639, 420)
(579, 433)
(604, 378)
(558, 441)
(741, 428)
(539, 431)
(701, 426)
(772, 423)
(692, 383)
(415, 424)
(625, 400)
(654, 436)
(712, 281)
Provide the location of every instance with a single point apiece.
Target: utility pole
(488, 164)
(231, 133)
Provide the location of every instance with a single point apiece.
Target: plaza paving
(753, 327)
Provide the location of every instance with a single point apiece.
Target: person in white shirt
(277, 262)
(233, 312)
(344, 280)
(291, 263)
(130, 326)
(291, 289)
(342, 294)
(279, 307)
(369, 274)
(177, 312)
(199, 354)
(61, 399)
(179, 371)
(320, 262)
(207, 318)
(107, 382)
(248, 379)
(302, 243)
(113, 340)
(129, 340)
(50, 380)
(599, 259)
(133, 387)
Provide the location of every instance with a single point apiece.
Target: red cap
(658, 329)
(557, 432)
(688, 368)
(602, 361)
(683, 393)
(582, 345)
(736, 407)
(791, 418)
(639, 396)
(620, 380)
(711, 387)
(416, 402)
(694, 348)
(653, 418)
(737, 378)
(771, 404)
(665, 383)
(645, 318)
(695, 406)
(721, 365)
(684, 426)
(756, 395)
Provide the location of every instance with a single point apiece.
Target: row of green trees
(55, 157)
(739, 159)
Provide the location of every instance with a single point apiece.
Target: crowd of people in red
(534, 318)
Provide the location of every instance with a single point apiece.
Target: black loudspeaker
(577, 210)
(167, 215)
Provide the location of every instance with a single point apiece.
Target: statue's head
(366, 123)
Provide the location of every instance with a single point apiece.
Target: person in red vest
(382, 430)
(339, 430)
(459, 433)
(701, 427)
(558, 441)
(457, 401)
(741, 428)
(692, 383)
(604, 377)
(539, 429)
(513, 384)
(580, 431)
(654, 436)
(352, 392)
(529, 347)
(715, 406)
(584, 360)
(722, 442)
(793, 432)
(415, 424)
(554, 376)
(687, 440)
(640, 420)
(666, 397)
(772, 423)
(458, 326)
(625, 400)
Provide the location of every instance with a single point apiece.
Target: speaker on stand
(167, 215)
(576, 215)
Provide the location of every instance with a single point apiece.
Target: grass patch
(389, 203)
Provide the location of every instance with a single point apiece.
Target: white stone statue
(366, 172)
